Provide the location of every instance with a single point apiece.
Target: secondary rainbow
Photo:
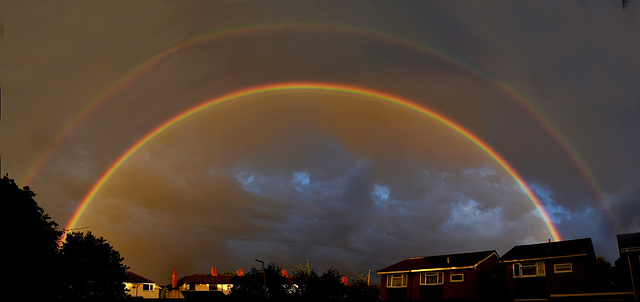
(259, 28)
(314, 87)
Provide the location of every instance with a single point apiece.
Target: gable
(131, 277)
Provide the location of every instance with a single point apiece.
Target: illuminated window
(397, 281)
(431, 278)
(147, 287)
(528, 269)
(562, 268)
(456, 278)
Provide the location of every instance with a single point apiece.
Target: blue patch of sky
(467, 215)
(555, 211)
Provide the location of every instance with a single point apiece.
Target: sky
(193, 134)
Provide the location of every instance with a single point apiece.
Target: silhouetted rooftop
(550, 249)
(440, 261)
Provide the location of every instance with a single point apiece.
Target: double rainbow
(314, 87)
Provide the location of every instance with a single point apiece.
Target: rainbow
(258, 28)
(313, 87)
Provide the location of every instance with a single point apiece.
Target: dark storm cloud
(317, 182)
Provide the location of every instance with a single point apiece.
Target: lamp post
(264, 279)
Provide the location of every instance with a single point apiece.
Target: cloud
(322, 176)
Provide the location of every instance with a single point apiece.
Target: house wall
(136, 290)
(580, 280)
(634, 265)
(481, 282)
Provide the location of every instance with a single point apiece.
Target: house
(466, 276)
(629, 247)
(198, 285)
(141, 287)
(561, 269)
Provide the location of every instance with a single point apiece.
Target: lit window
(397, 281)
(456, 278)
(147, 287)
(431, 278)
(562, 268)
(528, 269)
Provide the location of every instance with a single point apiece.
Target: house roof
(204, 279)
(132, 277)
(440, 262)
(629, 241)
(575, 247)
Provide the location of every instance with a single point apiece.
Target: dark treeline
(86, 267)
(304, 285)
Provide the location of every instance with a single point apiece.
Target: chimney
(284, 273)
(344, 280)
(174, 279)
(214, 271)
(240, 272)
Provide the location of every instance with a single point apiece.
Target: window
(431, 278)
(213, 286)
(562, 268)
(397, 280)
(528, 269)
(147, 287)
(456, 278)
(191, 286)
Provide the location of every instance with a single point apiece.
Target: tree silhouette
(311, 287)
(359, 290)
(251, 285)
(90, 269)
(33, 238)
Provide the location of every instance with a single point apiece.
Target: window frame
(456, 275)
(439, 278)
(519, 268)
(391, 278)
(562, 271)
(149, 287)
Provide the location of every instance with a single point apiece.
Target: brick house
(472, 276)
(199, 286)
(629, 247)
(552, 269)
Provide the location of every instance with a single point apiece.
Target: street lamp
(264, 276)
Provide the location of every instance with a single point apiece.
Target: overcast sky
(337, 178)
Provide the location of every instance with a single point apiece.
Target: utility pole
(308, 270)
(264, 279)
(369, 278)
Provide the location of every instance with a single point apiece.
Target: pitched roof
(629, 241)
(550, 249)
(132, 277)
(444, 262)
(204, 279)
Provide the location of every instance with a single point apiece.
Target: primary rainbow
(260, 28)
(314, 87)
